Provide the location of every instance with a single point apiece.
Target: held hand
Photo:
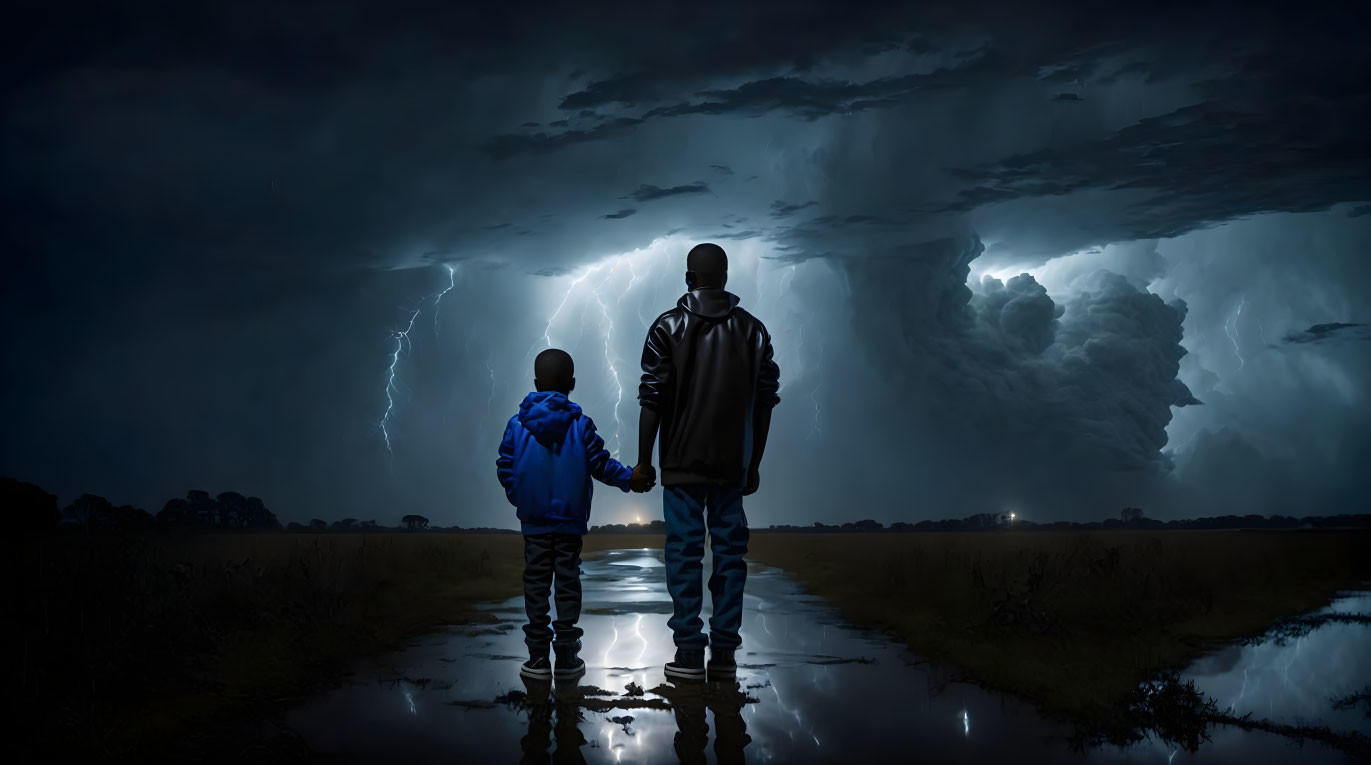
(754, 479)
(644, 478)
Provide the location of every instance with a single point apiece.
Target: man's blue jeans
(688, 508)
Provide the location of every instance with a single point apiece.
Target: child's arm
(603, 467)
(504, 464)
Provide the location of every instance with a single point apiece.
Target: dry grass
(127, 643)
(1073, 621)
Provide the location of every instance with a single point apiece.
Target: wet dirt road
(810, 689)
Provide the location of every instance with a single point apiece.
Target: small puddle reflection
(810, 689)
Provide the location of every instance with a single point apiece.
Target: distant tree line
(1129, 518)
(33, 509)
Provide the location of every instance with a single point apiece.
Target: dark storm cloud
(1331, 331)
(256, 190)
(509, 145)
(1067, 97)
(1356, 212)
(780, 209)
(1188, 164)
(1038, 393)
(647, 192)
(806, 99)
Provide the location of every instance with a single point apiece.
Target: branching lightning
(609, 359)
(437, 301)
(547, 331)
(1230, 328)
(401, 341)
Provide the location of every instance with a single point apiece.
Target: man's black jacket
(706, 365)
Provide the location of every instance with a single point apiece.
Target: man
(709, 383)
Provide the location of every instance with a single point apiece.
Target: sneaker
(536, 668)
(569, 664)
(689, 666)
(721, 665)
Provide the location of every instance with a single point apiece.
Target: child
(549, 453)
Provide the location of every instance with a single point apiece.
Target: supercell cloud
(1050, 258)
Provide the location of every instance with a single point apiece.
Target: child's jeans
(546, 555)
(689, 509)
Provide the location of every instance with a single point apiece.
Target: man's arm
(658, 377)
(768, 383)
(648, 422)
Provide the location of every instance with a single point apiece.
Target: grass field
(128, 643)
(1073, 621)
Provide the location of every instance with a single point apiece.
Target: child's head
(553, 370)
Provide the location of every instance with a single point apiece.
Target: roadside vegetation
(133, 643)
(1074, 622)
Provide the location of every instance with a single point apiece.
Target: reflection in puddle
(809, 689)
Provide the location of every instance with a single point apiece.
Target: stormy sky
(1055, 259)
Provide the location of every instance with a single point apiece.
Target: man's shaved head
(554, 370)
(706, 266)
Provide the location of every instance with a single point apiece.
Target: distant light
(1011, 516)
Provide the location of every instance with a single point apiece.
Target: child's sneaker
(536, 668)
(689, 666)
(721, 665)
(569, 664)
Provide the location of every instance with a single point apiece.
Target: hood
(711, 304)
(548, 415)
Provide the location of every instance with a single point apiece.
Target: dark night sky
(218, 216)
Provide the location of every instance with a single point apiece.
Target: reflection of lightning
(1230, 328)
(409, 697)
(638, 630)
(451, 282)
(966, 723)
(401, 339)
(613, 622)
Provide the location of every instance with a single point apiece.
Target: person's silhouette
(709, 384)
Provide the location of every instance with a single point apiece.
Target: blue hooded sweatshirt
(548, 456)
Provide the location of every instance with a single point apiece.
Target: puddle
(810, 689)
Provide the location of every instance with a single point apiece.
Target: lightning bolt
(814, 428)
(1230, 328)
(609, 360)
(401, 341)
(451, 282)
(547, 331)
(1241, 692)
(491, 399)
